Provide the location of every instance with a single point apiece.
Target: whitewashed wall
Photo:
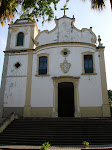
(15, 92)
(42, 92)
(14, 32)
(65, 31)
(22, 70)
(15, 89)
(42, 88)
(89, 85)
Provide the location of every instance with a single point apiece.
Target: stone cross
(64, 10)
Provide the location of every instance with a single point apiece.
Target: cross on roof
(64, 10)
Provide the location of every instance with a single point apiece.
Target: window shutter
(88, 63)
(42, 65)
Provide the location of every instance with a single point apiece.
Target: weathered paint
(65, 31)
(65, 35)
(42, 87)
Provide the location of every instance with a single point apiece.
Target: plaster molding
(89, 74)
(77, 114)
(27, 107)
(37, 71)
(65, 66)
(65, 50)
(15, 29)
(105, 105)
(16, 76)
(55, 114)
(53, 45)
(66, 44)
(75, 81)
(94, 69)
(93, 40)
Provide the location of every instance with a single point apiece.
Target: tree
(110, 94)
(38, 8)
(110, 100)
(99, 4)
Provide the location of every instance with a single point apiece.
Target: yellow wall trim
(52, 44)
(75, 81)
(27, 107)
(91, 112)
(105, 106)
(40, 55)
(83, 70)
(41, 111)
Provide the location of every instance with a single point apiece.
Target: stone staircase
(58, 131)
(2, 119)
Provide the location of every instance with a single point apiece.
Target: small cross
(99, 39)
(64, 10)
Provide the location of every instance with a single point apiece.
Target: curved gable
(65, 31)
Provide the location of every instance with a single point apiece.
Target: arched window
(42, 65)
(20, 38)
(88, 63)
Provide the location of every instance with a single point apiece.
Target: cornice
(60, 77)
(48, 45)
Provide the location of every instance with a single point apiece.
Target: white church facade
(58, 73)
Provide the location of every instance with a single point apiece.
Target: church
(57, 73)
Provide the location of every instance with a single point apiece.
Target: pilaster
(27, 107)
(105, 105)
(77, 112)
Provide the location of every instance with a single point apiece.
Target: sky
(85, 17)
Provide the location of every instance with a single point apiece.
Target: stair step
(58, 131)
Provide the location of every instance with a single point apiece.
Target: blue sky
(101, 21)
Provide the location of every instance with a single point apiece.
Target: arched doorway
(65, 99)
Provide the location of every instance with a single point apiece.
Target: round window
(65, 53)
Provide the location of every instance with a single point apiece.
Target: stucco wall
(15, 89)
(15, 92)
(89, 85)
(22, 70)
(65, 31)
(13, 41)
(18, 81)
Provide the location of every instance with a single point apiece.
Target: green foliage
(110, 94)
(7, 10)
(110, 100)
(110, 103)
(86, 144)
(98, 4)
(38, 8)
(45, 146)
